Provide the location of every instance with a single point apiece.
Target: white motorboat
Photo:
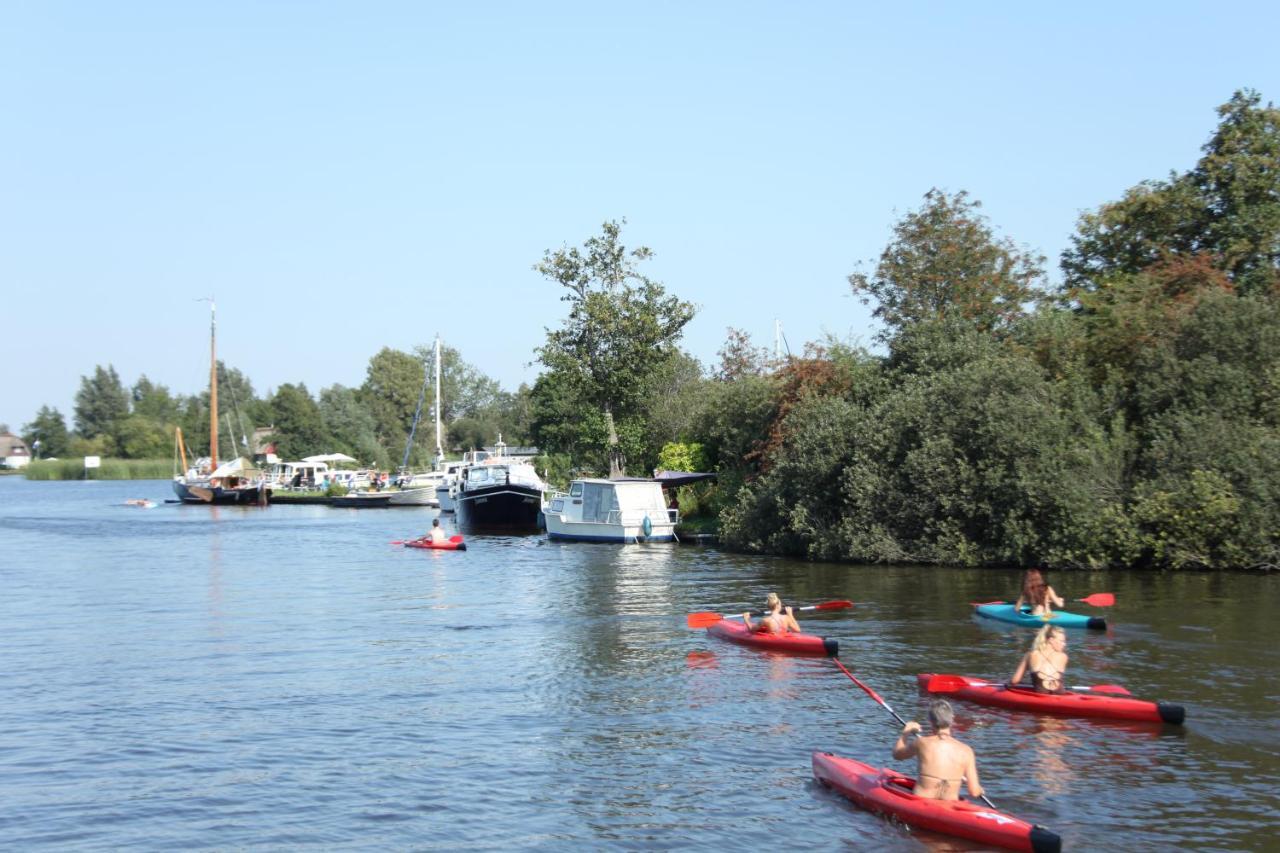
(600, 510)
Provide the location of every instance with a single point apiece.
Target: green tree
(141, 437)
(1227, 208)
(621, 330)
(298, 429)
(100, 402)
(351, 425)
(390, 392)
(153, 401)
(50, 429)
(945, 261)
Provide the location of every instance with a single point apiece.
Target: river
(190, 677)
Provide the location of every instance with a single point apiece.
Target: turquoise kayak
(1004, 612)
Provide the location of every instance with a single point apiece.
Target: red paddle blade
(702, 619)
(1100, 599)
(397, 542)
(833, 605)
(457, 537)
(1110, 688)
(946, 683)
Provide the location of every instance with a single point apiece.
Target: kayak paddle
(952, 683)
(885, 705)
(1098, 599)
(705, 618)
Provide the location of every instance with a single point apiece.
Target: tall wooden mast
(213, 385)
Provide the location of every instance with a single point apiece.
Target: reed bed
(111, 469)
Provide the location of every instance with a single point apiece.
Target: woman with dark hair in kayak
(943, 761)
(778, 620)
(1046, 662)
(1037, 594)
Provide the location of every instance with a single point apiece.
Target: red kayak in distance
(1095, 703)
(797, 644)
(890, 793)
(454, 543)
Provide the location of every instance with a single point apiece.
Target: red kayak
(797, 644)
(454, 543)
(890, 793)
(1096, 702)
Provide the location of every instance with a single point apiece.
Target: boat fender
(1173, 714)
(647, 526)
(1097, 623)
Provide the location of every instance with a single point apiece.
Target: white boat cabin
(625, 510)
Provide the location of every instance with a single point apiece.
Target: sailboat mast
(213, 384)
(439, 448)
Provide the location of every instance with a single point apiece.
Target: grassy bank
(112, 469)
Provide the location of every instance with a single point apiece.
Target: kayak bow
(1088, 704)
(797, 644)
(890, 793)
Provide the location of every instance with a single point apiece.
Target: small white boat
(599, 510)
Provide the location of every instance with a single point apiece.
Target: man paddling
(944, 762)
(436, 535)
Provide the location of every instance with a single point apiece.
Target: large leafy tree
(153, 401)
(622, 328)
(945, 261)
(298, 427)
(1227, 208)
(50, 429)
(100, 402)
(351, 425)
(390, 392)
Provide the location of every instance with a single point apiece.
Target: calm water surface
(195, 677)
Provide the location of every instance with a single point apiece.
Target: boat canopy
(675, 479)
(239, 465)
(328, 457)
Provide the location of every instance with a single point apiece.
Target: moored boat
(1097, 702)
(207, 482)
(623, 510)
(735, 631)
(889, 793)
(501, 491)
(1005, 612)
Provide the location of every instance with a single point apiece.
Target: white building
(14, 452)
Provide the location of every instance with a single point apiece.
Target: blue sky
(345, 177)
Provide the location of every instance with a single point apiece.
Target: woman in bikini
(944, 762)
(778, 620)
(1037, 594)
(1046, 662)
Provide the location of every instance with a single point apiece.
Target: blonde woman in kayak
(1037, 594)
(943, 762)
(778, 620)
(1046, 662)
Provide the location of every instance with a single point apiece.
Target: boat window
(557, 506)
(597, 498)
(575, 490)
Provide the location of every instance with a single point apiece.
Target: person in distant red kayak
(778, 619)
(1037, 594)
(1046, 662)
(943, 762)
(436, 535)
